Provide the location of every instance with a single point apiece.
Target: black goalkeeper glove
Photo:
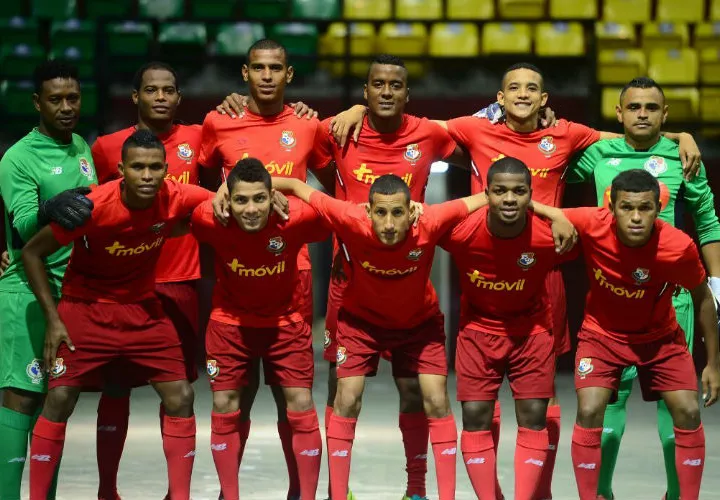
(70, 209)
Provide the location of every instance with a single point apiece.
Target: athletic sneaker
(414, 497)
(349, 497)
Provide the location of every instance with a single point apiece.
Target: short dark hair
(249, 170)
(51, 69)
(636, 180)
(388, 59)
(142, 138)
(523, 65)
(389, 184)
(641, 82)
(509, 165)
(267, 44)
(140, 73)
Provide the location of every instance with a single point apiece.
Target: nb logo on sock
(218, 447)
(475, 461)
(449, 451)
(310, 453)
(190, 454)
(41, 458)
(420, 457)
(17, 460)
(552, 447)
(532, 461)
(608, 430)
(587, 466)
(693, 463)
(107, 428)
(340, 453)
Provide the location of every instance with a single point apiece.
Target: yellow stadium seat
(617, 67)
(404, 39)
(507, 38)
(683, 104)
(710, 109)
(521, 9)
(673, 67)
(610, 99)
(680, 11)
(418, 9)
(710, 66)
(559, 39)
(611, 35)
(367, 9)
(665, 36)
(626, 11)
(573, 9)
(362, 44)
(715, 10)
(470, 9)
(454, 40)
(707, 35)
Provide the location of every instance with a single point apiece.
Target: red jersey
(283, 142)
(179, 260)
(630, 297)
(115, 252)
(546, 152)
(503, 279)
(390, 286)
(257, 272)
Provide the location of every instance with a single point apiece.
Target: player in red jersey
(109, 319)
(634, 261)
(503, 254)
(256, 315)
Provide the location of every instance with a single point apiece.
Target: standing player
(634, 262)
(255, 316)
(642, 111)
(503, 254)
(109, 317)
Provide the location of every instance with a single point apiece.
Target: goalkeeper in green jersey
(35, 176)
(642, 111)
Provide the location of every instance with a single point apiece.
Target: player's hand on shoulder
(711, 384)
(221, 204)
(4, 262)
(547, 118)
(303, 110)
(564, 234)
(70, 209)
(347, 121)
(689, 156)
(416, 211)
(281, 205)
(494, 113)
(233, 105)
(55, 335)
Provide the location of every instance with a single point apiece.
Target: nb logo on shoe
(190, 454)
(449, 451)
(41, 458)
(107, 428)
(340, 453)
(19, 460)
(475, 461)
(693, 462)
(218, 447)
(532, 461)
(587, 466)
(420, 457)
(311, 453)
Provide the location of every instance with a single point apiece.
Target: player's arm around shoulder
(19, 190)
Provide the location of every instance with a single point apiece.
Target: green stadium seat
(507, 38)
(13, 8)
(95, 9)
(684, 104)
(573, 9)
(626, 11)
(674, 67)
(183, 42)
(16, 97)
(16, 30)
(559, 39)
(454, 40)
(681, 11)
(54, 9)
(715, 10)
(665, 36)
(316, 9)
(470, 9)
(617, 67)
(612, 35)
(405, 39)
(129, 38)
(235, 39)
(266, 9)
(609, 99)
(710, 66)
(19, 61)
(89, 96)
(73, 33)
(362, 47)
(710, 110)
(300, 39)
(367, 9)
(419, 9)
(83, 61)
(161, 9)
(707, 36)
(213, 9)
(522, 9)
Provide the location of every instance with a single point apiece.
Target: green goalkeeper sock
(14, 430)
(667, 439)
(613, 430)
(52, 492)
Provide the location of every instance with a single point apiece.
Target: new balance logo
(587, 466)
(190, 454)
(218, 447)
(311, 453)
(532, 461)
(693, 463)
(608, 430)
(449, 451)
(420, 457)
(552, 447)
(107, 428)
(340, 453)
(475, 461)
(41, 458)
(16, 460)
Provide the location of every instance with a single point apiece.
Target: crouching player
(109, 317)
(635, 262)
(255, 317)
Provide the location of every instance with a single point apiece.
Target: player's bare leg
(247, 399)
(531, 448)
(585, 449)
(478, 451)
(112, 425)
(443, 432)
(414, 430)
(306, 441)
(341, 432)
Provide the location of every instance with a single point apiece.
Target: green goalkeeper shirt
(34, 169)
(605, 159)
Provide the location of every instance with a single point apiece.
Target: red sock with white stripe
(495, 430)
(341, 434)
(553, 428)
(586, 454)
(46, 447)
(112, 425)
(179, 446)
(286, 440)
(479, 457)
(443, 437)
(530, 456)
(689, 461)
(415, 434)
(307, 445)
(225, 447)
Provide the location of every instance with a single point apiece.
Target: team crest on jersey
(85, 168)
(412, 153)
(276, 244)
(327, 341)
(641, 275)
(415, 254)
(287, 139)
(546, 145)
(212, 368)
(655, 165)
(185, 152)
(526, 260)
(584, 367)
(34, 371)
(155, 228)
(59, 368)
(341, 356)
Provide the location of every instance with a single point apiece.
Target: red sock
(46, 449)
(328, 414)
(307, 445)
(341, 433)
(495, 430)
(479, 457)
(225, 447)
(415, 434)
(244, 434)
(443, 436)
(179, 447)
(586, 454)
(689, 461)
(553, 428)
(286, 440)
(530, 455)
(112, 426)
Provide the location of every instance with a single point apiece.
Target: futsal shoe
(414, 497)
(350, 496)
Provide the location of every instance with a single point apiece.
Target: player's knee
(179, 401)
(531, 414)
(300, 400)
(411, 400)
(590, 413)
(226, 401)
(477, 415)
(687, 417)
(436, 404)
(21, 401)
(60, 403)
(332, 384)
(348, 403)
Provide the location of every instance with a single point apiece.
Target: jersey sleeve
(209, 156)
(446, 215)
(192, 196)
(337, 214)
(201, 222)
(443, 142)
(701, 203)
(581, 218)
(583, 165)
(312, 227)
(20, 194)
(581, 136)
(688, 272)
(321, 155)
(105, 172)
(459, 236)
(464, 128)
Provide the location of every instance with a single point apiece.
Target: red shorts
(663, 365)
(555, 290)
(414, 351)
(180, 302)
(303, 296)
(286, 353)
(483, 359)
(335, 296)
(122, 343)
